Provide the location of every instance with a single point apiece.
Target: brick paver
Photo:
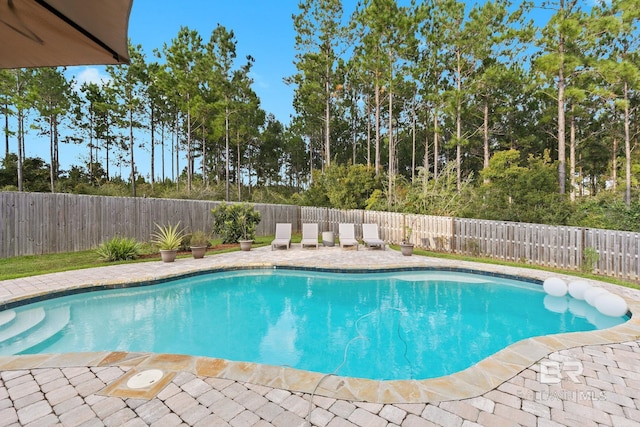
(581, 405)
(607, 393)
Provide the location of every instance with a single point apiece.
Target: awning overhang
(51, 33)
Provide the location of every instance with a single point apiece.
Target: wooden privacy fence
(426, 231)
(608, 252)
(39, 223)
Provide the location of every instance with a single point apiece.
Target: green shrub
(235, 222)
(196, 238)
(119, 249)
(590, 257)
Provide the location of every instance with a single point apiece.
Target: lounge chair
(283, 236)
(309, 235)
(371, 237)
(347, 235)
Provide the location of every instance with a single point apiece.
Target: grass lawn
(25, 266)
(520, 265)
(32, 265)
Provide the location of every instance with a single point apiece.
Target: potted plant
(247, 226)
(199, 242)
(406, 247)
(168, 240)
(236, 223)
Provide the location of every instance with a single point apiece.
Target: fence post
(326, 219)
(404, 225)
(583, 242)
(453, 235)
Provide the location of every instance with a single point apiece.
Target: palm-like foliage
(168, 237)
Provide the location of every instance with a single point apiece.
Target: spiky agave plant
(168, 237)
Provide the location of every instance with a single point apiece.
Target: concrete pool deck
(600, 370)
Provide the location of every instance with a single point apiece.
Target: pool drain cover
(145, 379)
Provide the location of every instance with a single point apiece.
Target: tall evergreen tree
(127, 81)
(620, 67)
(50, 94)
(558, 60)
(183, 56)
(320, 38)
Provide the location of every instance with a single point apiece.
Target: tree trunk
(413, 146)
(459, 122)
(238, 177)
(572, 154)
(20, 145)
(562, 161)
(106, 148)
(354, 123)
(327, 115)
(391, 150)
(368, 131)
(163, 148)
(485, 128)
(426, 145)
(627, 147)
(205, 180)
(174, 145)
(91, 130)
(614, 164)
(6, 129)
(56, 151)
(52, 155)
(133, 164)
(189, 149)
(153, 149)
(377, 125)
(226, 149)
(435, 144)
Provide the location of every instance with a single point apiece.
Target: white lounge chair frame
(346, 235)
(283, 236)
(371, 237)
(309, 235)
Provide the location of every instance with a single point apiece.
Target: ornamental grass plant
(119, 249)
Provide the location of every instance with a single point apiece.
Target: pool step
(24, 321)
(55, 320)
(26, 329)
(7, 317)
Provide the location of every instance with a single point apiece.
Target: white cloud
(259, 81)
(90, 75)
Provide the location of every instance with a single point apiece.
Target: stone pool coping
(471, 382)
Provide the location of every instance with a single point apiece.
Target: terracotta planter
(245, 245)
(198, 251)
(168, 255)
(406, 249)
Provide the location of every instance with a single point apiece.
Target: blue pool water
(392, 325)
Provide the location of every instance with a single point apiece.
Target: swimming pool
(391, 325)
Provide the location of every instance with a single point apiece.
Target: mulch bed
(188, 252)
